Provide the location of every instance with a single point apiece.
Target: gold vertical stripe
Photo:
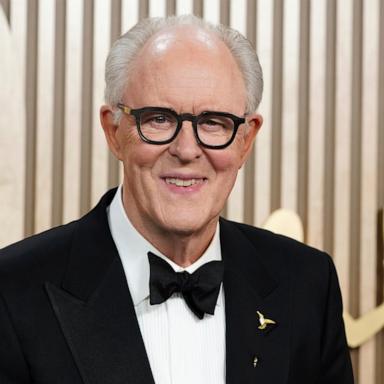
(86, 113)
(59, 114)
(31, 110)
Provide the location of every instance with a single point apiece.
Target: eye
(160, 119)
(215, 123)
(157, 120)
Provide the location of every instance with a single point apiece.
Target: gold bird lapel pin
(264, 322)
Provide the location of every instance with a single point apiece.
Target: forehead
(185, 66)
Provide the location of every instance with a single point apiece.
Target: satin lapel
(95, 309)
(253, 355)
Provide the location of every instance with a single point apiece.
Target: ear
(111, 130)
(254, 121)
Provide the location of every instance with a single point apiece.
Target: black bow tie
(199, 289)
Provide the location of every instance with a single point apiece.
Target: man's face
(180, 187)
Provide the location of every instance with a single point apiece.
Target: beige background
(320, 152)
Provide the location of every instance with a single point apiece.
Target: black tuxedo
(66, 315)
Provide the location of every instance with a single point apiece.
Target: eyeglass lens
(212, 129)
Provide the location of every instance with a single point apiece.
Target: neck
(185, 250)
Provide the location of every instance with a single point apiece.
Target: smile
(183, 182)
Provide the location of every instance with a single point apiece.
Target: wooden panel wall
(320, 151)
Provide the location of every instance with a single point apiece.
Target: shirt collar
(133, 249)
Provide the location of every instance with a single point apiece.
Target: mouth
(187, 185)
(184, 182)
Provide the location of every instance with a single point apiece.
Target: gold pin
(255, 360)
(263, 321)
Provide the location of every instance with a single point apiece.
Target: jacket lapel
(95, 309)
(253, 354)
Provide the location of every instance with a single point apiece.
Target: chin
(185, 227)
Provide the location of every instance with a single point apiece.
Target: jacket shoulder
(38, 256)
(280, 252)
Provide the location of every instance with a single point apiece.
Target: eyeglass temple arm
(124, 108)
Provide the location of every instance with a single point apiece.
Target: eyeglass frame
(180, 118)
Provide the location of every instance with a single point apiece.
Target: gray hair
(123, 52)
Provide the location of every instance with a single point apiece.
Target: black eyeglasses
(157, 125)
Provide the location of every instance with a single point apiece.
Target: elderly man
(151, 286)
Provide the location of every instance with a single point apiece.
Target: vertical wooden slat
(342, 195)
(316, 123)
(157, 8)
(12, 123)
(380, 193)
(355, 160)
(211, 11)
(329, 128)
(46, 119)
(380, 288)
(290, 106)
(31, 110)
(143, 9)
(59, 113)
(6, 5)
(303, 111)
(184, 7)
(198, 6)
(380, 103)
(225, 18)
(86, 113)
(262, 177)
(170, 7)
(129, 14)
(355, 167)
(225, 12)
(368, 182)
(101, 41)
(277, 64)
(235, 203)
(249, 169)
(115, 32)
(73, 110)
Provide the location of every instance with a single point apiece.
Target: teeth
(181, 182)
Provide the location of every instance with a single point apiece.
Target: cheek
(225, 161)
(139, 157)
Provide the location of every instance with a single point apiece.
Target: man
(151, 286)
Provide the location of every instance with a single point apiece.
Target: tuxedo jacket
(66, 314)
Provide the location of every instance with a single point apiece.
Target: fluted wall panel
(319, 153)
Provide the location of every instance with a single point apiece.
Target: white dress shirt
(181, 348)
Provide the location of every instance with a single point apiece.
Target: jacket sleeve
(336, 367)
(13, 367)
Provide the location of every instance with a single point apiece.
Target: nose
(185, 146)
